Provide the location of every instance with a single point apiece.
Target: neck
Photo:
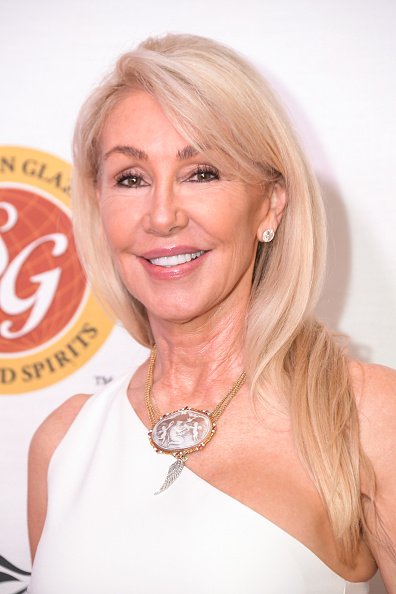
(198, 360)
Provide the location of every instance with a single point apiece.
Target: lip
(172, 272)
(175, 250)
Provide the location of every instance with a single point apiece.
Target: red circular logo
(42, 284)
(50, 323)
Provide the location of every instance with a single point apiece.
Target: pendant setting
(182, 432)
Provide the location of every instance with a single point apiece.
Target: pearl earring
(268, 235)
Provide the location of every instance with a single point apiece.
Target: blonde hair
(217, 100)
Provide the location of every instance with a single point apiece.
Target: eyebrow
(130, 151)
(186, 153)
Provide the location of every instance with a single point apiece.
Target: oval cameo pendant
(182, 432)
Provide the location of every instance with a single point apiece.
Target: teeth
(169, 261)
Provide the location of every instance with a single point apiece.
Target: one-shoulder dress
(107, 533)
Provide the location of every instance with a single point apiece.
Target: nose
(165, 215)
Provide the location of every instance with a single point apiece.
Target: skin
(197, 318)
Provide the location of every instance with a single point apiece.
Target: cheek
(238, 222)
(230, 211)
(118, 219)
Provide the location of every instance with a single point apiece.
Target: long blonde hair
(216, 99)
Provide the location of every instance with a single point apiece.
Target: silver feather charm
(174, 472)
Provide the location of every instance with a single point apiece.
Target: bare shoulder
(375, 390)
(52, 430)
(370, 375)
(45, 441)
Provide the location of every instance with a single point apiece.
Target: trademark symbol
(102, 380)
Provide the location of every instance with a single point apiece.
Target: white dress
(107, 533)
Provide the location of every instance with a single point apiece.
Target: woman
(200, 224)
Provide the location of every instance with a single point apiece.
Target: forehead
(138, 119)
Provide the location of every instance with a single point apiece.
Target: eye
(204, 173)
(129, 179)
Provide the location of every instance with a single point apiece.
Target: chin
(178, 312)
(175, 316)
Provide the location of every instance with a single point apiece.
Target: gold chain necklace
(183, 431)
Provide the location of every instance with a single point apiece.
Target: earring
(268, 235)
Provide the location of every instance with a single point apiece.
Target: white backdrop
(332, 63)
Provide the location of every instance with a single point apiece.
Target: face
(183, 234)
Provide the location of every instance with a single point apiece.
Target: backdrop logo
(50, 324)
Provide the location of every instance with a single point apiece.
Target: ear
(275, 207)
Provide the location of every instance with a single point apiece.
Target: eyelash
(200, 170)
(128, 175)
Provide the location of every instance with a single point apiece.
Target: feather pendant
(174, 472)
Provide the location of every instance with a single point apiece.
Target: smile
(169, 261)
